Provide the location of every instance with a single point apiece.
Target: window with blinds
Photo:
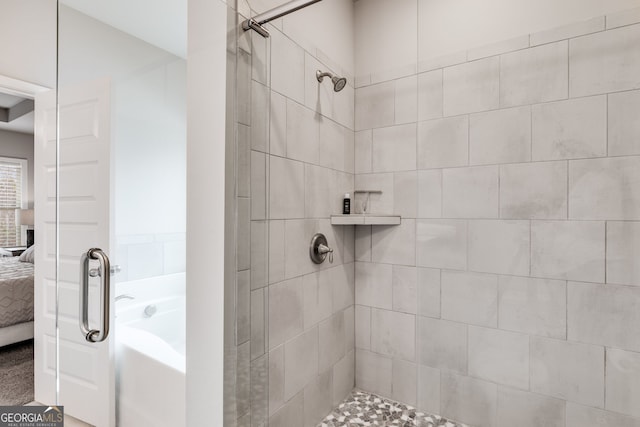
(11, 192)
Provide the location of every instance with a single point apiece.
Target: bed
(16, 300)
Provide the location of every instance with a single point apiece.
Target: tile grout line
(566, 310)
(607, 123)
(606, 227)
(530, 247)
(568, 182)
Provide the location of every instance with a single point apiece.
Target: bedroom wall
(19, 145)
(28, 29)
(149, 139)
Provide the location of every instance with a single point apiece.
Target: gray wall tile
(580, 416)
(528, 409)
(303, 134)
(468, 400)
(405, 193)
(286, 195)
(443, 143)
(605, 189)
(442, 344)
(332, 343)
(534, 75)
(278, 125)
(430, 193)
(470, 298)
(406, 100)
(404, 381)
(317, 297)
(287, 67)
(571, 250)
(405, 289)
(623, 252)
(375, 106)
(471, 87)
(499, 356)
(363, 327)
(533, 306)
(344, 377)
(568, 370)
(571, 129)
(394, 148)
(624, 123)
(428, 389)
(623, 382)
(394, 244)
(430, 95)
(533, 190)
(568, 31)
(470, 192)
(300, 362)
(373, 372)
(393, 334)
(291, 414)
(285, 324)
(428, 299)
(441, 243)
(363, 147)
(500, 136)
(318, 400)
(499, 247)
(605, 62)
(604, 314)
(374, 285)
(276, 379)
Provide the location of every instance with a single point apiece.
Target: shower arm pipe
(256, 23)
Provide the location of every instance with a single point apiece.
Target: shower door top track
(256, 23)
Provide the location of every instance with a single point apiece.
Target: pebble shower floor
(366, 409)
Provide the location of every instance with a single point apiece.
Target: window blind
(10, 200)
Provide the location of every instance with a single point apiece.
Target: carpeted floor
(16, 373)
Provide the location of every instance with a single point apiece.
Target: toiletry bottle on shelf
(346, 205)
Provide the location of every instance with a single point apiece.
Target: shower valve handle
(319, 249)
(323, 249)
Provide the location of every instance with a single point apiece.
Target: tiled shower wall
(295, 319)
(509, 294)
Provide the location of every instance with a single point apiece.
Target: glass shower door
(121, 216)
(294, 318)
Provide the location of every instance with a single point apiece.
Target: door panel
(45, 334)
(82, 185)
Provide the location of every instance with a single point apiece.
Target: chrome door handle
(96, 272)
(95, 335)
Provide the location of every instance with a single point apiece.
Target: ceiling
(23, 124)
(8, 101)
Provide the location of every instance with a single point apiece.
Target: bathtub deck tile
(366, 409)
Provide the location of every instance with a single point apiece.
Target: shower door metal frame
(257, 22)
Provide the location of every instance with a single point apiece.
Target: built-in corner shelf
(369, 219)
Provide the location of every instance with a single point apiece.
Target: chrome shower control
(319, 249)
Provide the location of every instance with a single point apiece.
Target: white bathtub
(150, 353)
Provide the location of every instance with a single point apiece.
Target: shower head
(338, 82)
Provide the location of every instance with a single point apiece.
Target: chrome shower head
(338, 82)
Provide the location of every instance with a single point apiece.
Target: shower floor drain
(366, 409)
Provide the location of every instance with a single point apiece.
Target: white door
(81, 187)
